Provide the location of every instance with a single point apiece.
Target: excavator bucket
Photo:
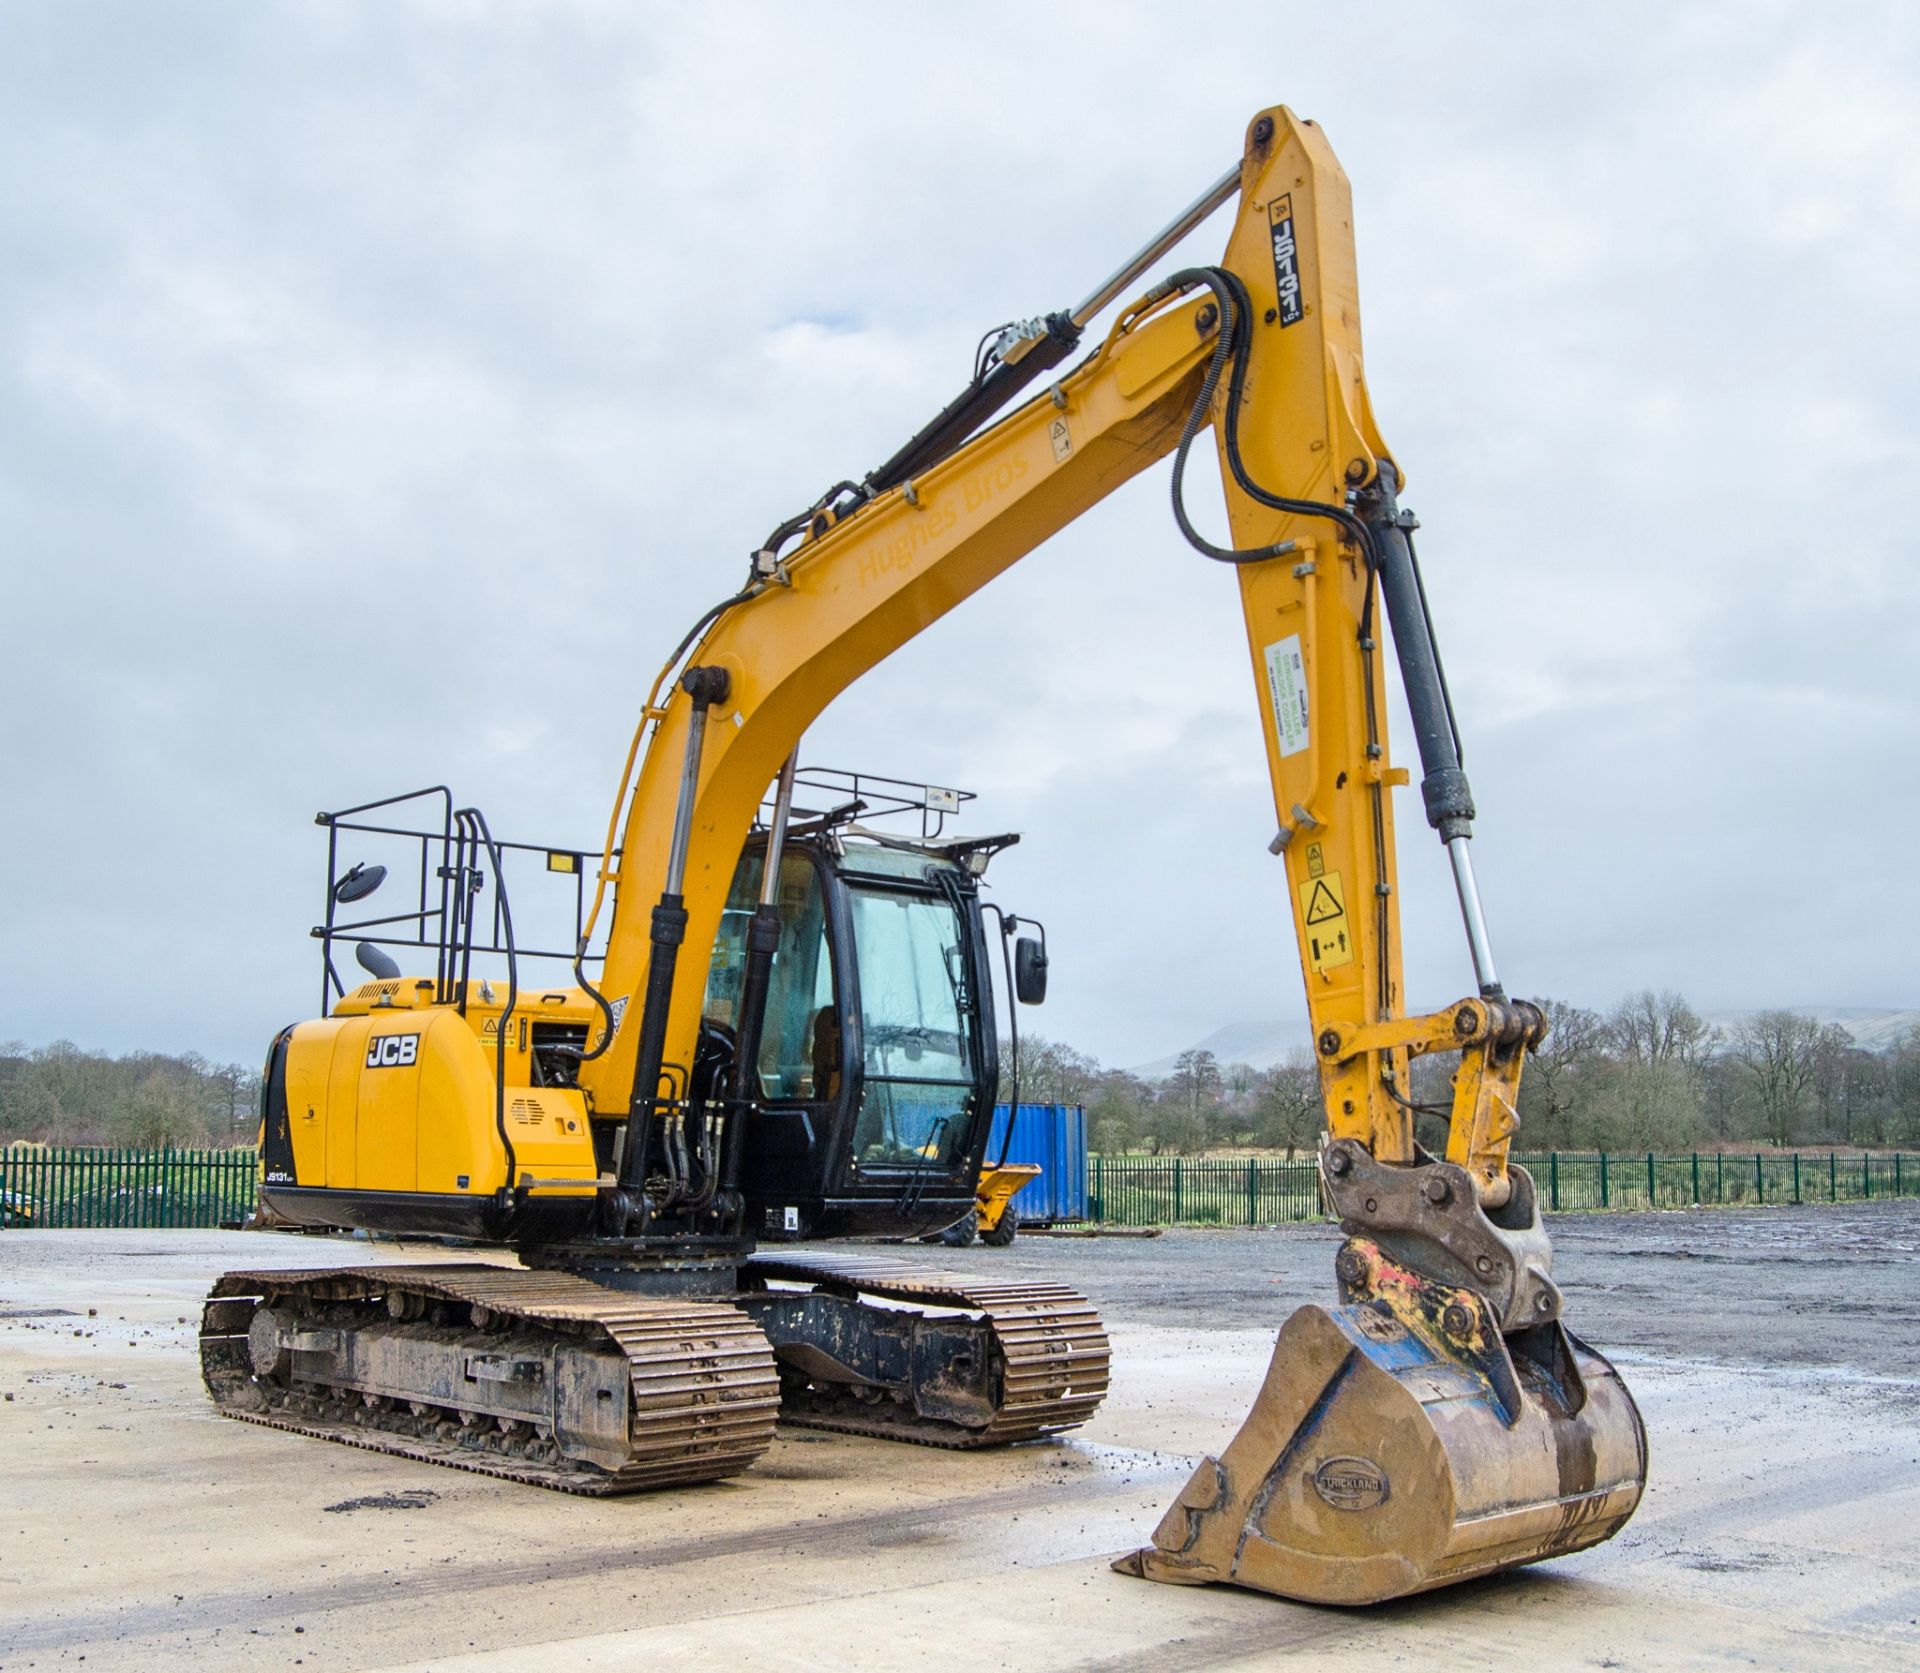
(1402, 1442)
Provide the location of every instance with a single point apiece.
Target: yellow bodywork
(421, 1118)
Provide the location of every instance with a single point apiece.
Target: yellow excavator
(660, 1140)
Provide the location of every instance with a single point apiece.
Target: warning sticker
(1323, 907)
(1287, 689)
(1062, 439)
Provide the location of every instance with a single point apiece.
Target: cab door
(802, 1049)
(919, 1036)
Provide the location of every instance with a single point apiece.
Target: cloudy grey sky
(383, 389)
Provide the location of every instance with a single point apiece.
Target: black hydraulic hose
(1007, 928)
(1227, 310)
(1225, 285)
(601, 1003)
(475, 824)
(783, 532)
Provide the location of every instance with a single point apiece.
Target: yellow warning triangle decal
(1322, 905)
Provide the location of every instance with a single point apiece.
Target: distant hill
(1872, 1029)
(1260, 1045)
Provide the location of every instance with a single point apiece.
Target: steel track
(1053, 1348)
(705, 1393)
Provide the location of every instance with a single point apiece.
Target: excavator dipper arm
(1441, 1422)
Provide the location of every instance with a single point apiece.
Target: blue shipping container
(1055, 1137)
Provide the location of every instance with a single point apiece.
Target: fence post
(1099, 1204)
(1759, 1178)
(1833, 1177)
(1720, 1177)
(1553, 1180)
(1896, 1175)
(1176, 1190)
(1652, 1196)
(1603, 1179)
(1696, 1179)
(1866, 1174)
(1796, 1179)
(1253, 1191)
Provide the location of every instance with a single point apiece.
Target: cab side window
(800, 1040)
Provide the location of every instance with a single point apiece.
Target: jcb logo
(393, 1051)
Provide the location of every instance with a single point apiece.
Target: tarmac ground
(1775, 1355)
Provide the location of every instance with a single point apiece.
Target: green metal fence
(1647, 1181)
(61, 1186)
(75, 1187)
(1205, 1191)
(1200, 1191)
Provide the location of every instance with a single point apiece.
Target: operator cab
(878, 1062)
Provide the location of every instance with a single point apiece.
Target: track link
(1052, 1346)
(701, 1397)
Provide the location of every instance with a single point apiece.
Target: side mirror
(1030, 970)
(359, 883)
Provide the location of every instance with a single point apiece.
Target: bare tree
(1289, 1105)
(1188, 1098)
(1554, 1085)
(1659, 1028)
(1781, 1050)
(164, 1109)
(237, 1090)
(1903, 1085)
(1119, 1111)
(1050, 1073)
(1195, 1081)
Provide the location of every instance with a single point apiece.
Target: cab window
(915, 1030)
(800, 1039)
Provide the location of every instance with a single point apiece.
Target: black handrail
(447, 862)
